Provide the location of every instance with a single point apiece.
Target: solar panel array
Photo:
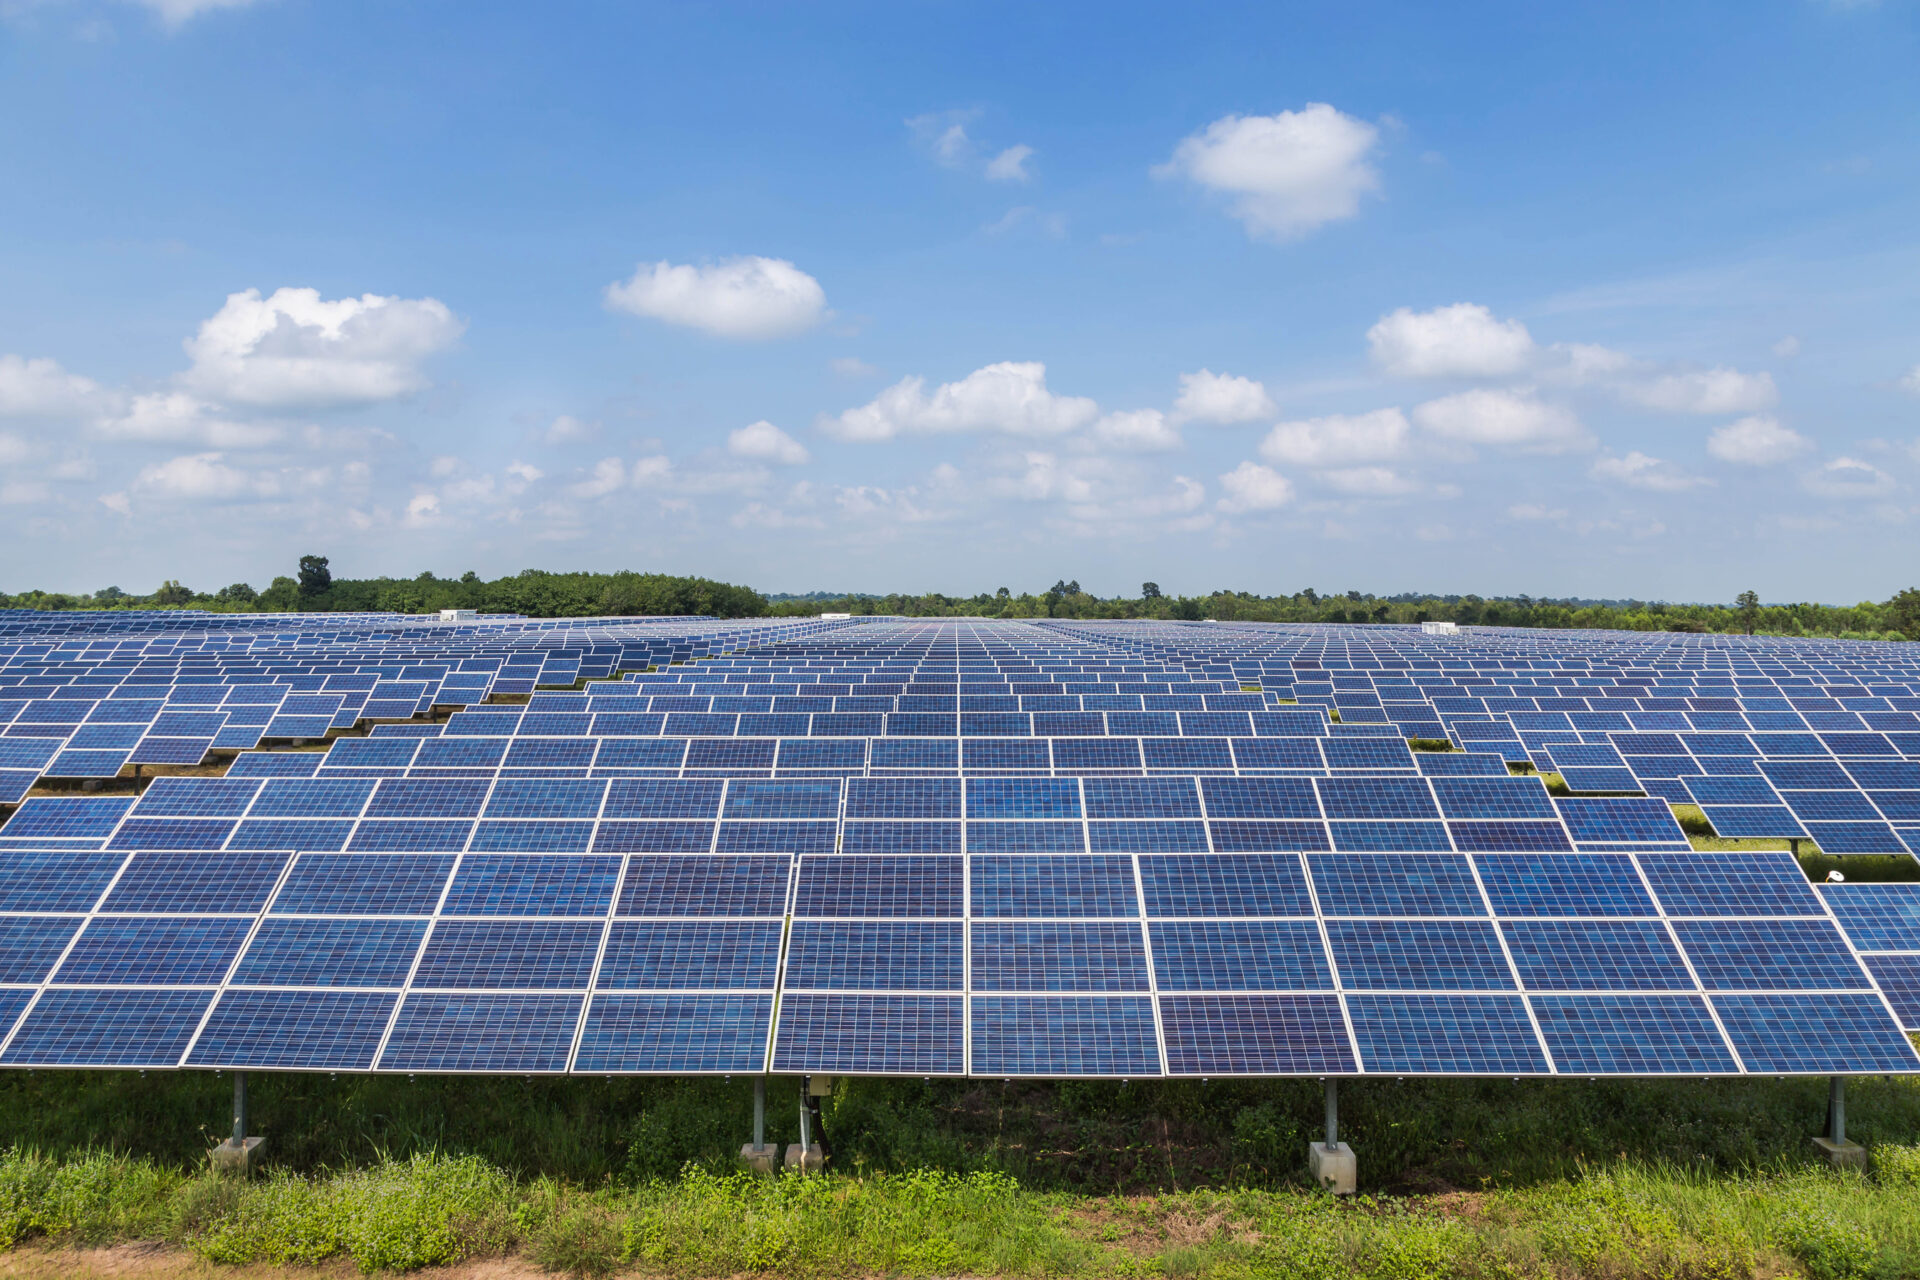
(997, 849)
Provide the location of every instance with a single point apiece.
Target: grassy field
(1493, 1178)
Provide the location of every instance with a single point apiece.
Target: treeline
(533, 592)
(537, 593)
(1895, 619)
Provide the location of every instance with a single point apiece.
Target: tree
(238, 593)
(1149, 591)
(283, 596)
(172, 595)
(109, 593)
(1748, 603)
(1903, 613)
(315, 578)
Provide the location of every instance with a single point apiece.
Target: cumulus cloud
(175, 12)
(1010, 397)
(1788, 347)
(1912, 381)
(1366, 482)
(174, 417)
(1756, 442)
(1252, 487)
(1849, 478)
(204, 477)
(567, 429)
(746, 297)
(295, 350)
(608, 476)
(767, 443)
(1146, 430)
(1285, 175)
(1514, 419)
(1207, 396)
(40, 388)
(1640, 471)
(1010, 165)
(1463, 340)
(1719, 390)
(1338, 439)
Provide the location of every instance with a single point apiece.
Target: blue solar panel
(796, 798)
(307, 1030)
(1595, 955)
(711, 955)
(1899, 980)
(1417, 955)
(1255, 1035)
(428, 798)
(1632, 1035)
(1512, 836)
(510, 954)
(66, 818)
(107, 1028)
(1590, 884)
(1826, 1034)
(482, 1031)
(545, 798)
(675, 1033)
(1395, 885)
(164, 951)
(1060, 886)
(1239, 955)
(875, 955)
(1451, 1034)
(1064, 1036)
(29, 945)
(1376, 798)
(1253, 884)
(330, 953)
(903, 798)
(740, 885)
(1058, 957)
(870, 1034)
(1259, 798)
(195, 882)
(1745, 955)
(1877, 917)
(1141, 798)
(532, 885)
(1493, 798)
(197, 797)
(1263, 837)
(1389, 837)
(1730, 884)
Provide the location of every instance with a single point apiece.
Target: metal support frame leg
(1332, 1163)
(759, 1155)
(237, 1154)
(1840, 1153)
(805, 1156)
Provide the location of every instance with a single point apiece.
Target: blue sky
(1565, 300)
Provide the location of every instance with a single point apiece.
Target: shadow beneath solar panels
(1413, 1136)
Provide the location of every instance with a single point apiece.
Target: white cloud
(1049, 224)
(1584, 363)
(1338, 438)
(609, 475)
(1463, 340)
(768, 443)
(1787, 348)
(13, 450)
(1252, 487)
(525, 472)
(295, 349)
(1756, 442)
(40, 388)
(1145, 430)
(1849, 478)
(1207, 396)
(1009, 397)
(1366, 482)
(1286, 174)
(1912, 381)
(1506, 418)
(1719, 390)
(204, 477)
(944, 133)
(174, 417)
(1640, 471)
(851, 367)
(176, 12)
(745, 297)
(567, 429)
(1534, 511)
(1010, 165)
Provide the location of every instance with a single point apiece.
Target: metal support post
(239, 1108)
(1332, 1163)
(806, 1156)
(1333, 1112)
(759, 1112)
(1840, 1153)
(236, 1154)
(806, 1120)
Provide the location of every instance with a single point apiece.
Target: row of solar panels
(1250, 964)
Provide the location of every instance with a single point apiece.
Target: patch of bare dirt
(161, 1262)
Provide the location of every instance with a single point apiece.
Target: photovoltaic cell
(1825, 1034)
(1445, 1034)
(482, 1031)
(1064, 1036)
(1239, 955)
(330, 953)
(1595, 955)
(1632, 1035)
(1395, 885)
(1255, 1035)
(1548, 884)
(652, 1032)
(107, 1028)
(875, 955)
(305, 1030)
(870, 1034)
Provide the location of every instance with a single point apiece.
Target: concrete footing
(1333, 1167)
(804, 1159)
(239, 1158)
(764, 1158)
(1842, 1154)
